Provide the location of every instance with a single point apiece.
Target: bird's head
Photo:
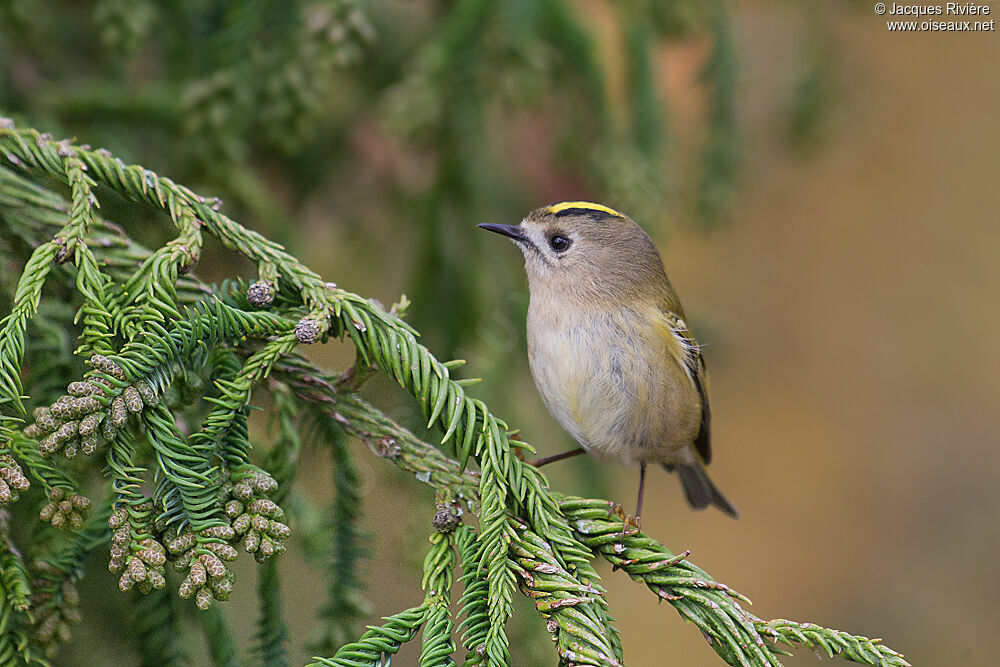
(585, 249)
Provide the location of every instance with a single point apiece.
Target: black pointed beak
(513, 232)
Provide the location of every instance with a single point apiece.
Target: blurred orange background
(857, 297)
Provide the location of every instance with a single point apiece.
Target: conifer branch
(173, 365)
(156, 627)
(221, 644)
(476, 621)
(379, 640)
(438, 646)
(272, 634)
(347, 548)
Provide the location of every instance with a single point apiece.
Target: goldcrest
(609, 348)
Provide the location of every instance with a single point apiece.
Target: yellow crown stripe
(562, 206)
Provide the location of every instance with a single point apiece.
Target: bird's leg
(642, 487)
(629, 521)
(545, 460)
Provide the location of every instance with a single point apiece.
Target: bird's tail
(699, 489)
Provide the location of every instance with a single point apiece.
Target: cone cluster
(256, 520)
(207, 576)
(12, 480)
(56, 604)
(90, 413)
(140, 561)
(64, 510)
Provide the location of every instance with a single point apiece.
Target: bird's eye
(559, 243)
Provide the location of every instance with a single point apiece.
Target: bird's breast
(607, 379)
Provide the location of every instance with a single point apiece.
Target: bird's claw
(630, 525)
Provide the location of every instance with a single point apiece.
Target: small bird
(608, 346)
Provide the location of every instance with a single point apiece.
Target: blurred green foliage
(272, 105)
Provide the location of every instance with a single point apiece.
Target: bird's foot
(630, 526)
(628, 520)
